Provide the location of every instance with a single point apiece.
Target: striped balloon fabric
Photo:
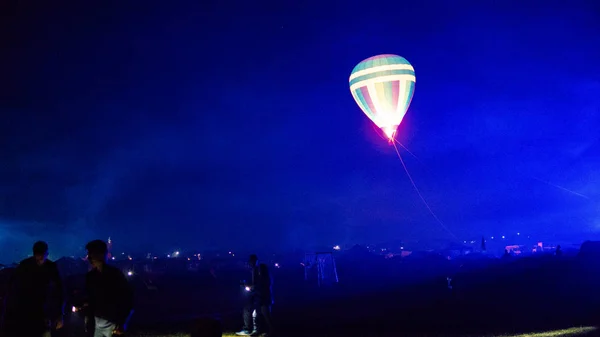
(383, 87)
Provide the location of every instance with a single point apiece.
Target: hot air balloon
(383, 87)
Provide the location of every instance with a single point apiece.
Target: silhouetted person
(259, 299)
(559, 251)
(110, 298)
(29, 310)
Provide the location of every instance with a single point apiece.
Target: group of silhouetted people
(35, 300)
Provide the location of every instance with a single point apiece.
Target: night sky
(192, 124)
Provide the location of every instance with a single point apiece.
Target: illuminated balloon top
(383, 87)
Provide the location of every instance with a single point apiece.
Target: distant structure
(109, 246)
(514, 249)
(320, 266)
(483, 248)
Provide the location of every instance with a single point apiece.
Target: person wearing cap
(259, 300)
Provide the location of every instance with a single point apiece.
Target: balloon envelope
(383, 87)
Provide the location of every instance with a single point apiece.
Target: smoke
(17, 238)
(58, 193)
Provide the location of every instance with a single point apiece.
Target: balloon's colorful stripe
(384, 72)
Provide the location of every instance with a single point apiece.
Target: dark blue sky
(229, 124)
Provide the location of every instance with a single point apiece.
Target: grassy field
(572, 332)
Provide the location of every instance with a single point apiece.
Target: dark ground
(491, 298)
(516, 297)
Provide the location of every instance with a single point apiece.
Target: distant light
(168, 255)
(503, 236)
(336, 247)
(113, 257)
(492, 238)
(229, 253)
(189, 259)
(276, 265)
(155, 257)
(130, 273)
(73, 309)
(401, 247)
(518, 233)
(176, 253)
(247, 288)
(130, 258)
(464, 241)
